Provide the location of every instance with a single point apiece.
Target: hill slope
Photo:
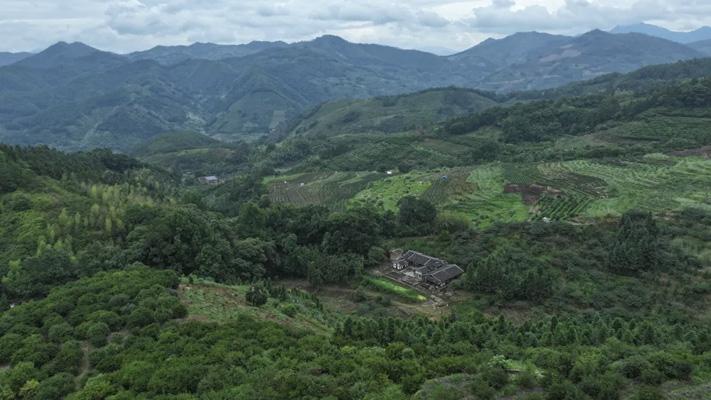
(73, 96)
(11, 58)
(703, 33)
(703, 46)
(170, 55)
(641, 80)
(584, 57)
(392, 114)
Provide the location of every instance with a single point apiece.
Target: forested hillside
(394, 113)
(109, 333)
(72, 96)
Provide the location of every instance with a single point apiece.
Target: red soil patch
(530, 194)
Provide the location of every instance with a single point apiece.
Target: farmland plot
(657, 187)
(487, 203)
(331, 190)
(387, 192)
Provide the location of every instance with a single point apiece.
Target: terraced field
(487, 203)
(387, 192)
(330, 189)
(452, 183)
(569, 190)
(651, 185)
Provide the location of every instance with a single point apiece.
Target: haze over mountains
(703, 33)
(73, 96)
(11, 58)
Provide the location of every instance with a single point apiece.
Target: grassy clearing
(487, 203)
(387, 192)
(209, 301)
(390, 287)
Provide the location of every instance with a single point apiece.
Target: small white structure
(209, 180)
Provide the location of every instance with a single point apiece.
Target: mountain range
(169, 55)
(700, 34)
(73, 96)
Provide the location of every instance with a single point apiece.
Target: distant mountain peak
(702, 33)
(62, 45)
(66, 50)
(529, 34)
(69, 53)
(596, 32)
(330, 39)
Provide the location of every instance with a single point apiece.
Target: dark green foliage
(256, 296)
(648, 393)
(636, 247)
(191, 241)
(354, 231)
(34, 276)
(56, 387)
(390, 115)
(416, 216)
(91, 298)
(547, 119)
(511, 274)
(101, 165)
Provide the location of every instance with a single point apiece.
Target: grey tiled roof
(447, 273)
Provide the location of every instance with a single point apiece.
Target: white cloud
(576, 16)
(127, 25)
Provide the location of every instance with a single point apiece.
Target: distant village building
(427, 269)
(209, 180)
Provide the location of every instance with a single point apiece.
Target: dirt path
(84, 367)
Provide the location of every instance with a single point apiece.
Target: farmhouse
(427, 269)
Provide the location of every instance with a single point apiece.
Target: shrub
(56, 387)
(256, 296)
(289, 309)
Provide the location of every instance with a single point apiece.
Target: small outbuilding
(209, 180)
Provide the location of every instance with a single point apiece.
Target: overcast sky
(128, 25)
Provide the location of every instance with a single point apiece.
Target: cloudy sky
(435, 25)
